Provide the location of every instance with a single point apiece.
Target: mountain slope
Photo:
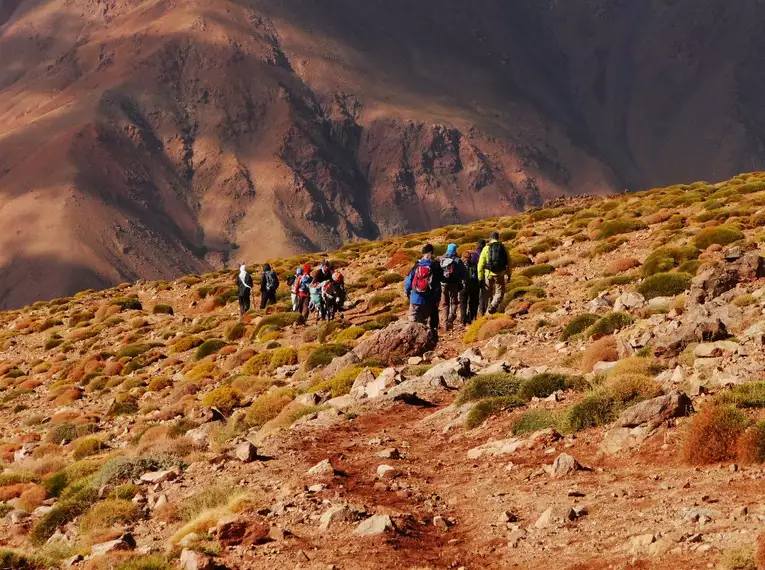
(151, 138)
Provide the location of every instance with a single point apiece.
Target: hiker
(423, 288)
(482, 297)
(243, 289)
(291, 284)
(454, 274)
(493, 269)
(471, 291)
(333, 294)
(323, 273)
(303, 292)
(269, 283)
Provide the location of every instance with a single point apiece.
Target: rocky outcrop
(656, 411)
(396, 342)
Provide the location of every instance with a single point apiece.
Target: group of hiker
(471, 284)
(322, 292)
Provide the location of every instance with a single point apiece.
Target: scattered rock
(375, 526)
(440, 523)
(515, 537)
(246, 452)
(193, 560)
(564, 465)
(555, 516)
(337, 514)
(629, 300)
(449, 374)
(656, 411)
(387, 473)
(500, 447)
(716, 349)
(155, 477)
(125, 542)
(322, 469)
(390, 453)
(415, 360)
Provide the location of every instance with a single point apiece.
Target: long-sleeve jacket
(483, 271)
(244, 289)
(434, 295)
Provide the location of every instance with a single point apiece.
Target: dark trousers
(483, 301)
(450, 299)
(244, 304)
(425, 314)
(469, 302)
(304, 307)
(265, 297)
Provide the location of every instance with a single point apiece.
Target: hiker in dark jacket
(454, 274)
(423, 288)
(483, 300)
(471, 291)
(323, 273)
(243, 289)
(269, 283)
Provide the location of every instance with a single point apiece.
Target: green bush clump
(15, 560)
(235, 331)
(285, 356)
(537, 270)
(123, 405)
(133, 350)
(63, 512)
(748, 395)
(163, 310)
(223, 398)
(517, 259)
(267, 407)
(279, 321)
(105, 514)
(664, 285)
(578, 325)
(121, 469)
(689, 267)
(69, 432)
(665, 259)
(617, 227)
(88, 446)
(185, 343)
(720, 235)
(488, 386)
(487, 407)
(323, 355)
(382, 299)
(349, 334)
(390, 278)
(129, 304)
(532, 421)
(542, 385)
(209, 347)
(258, 363)
(608, 324)
(597, 409)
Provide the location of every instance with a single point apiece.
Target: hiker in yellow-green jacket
(493, 270)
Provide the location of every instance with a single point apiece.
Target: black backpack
(497, 257)
(271, 281)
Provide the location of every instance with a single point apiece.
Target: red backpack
(423, 279)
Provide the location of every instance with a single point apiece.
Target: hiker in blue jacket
(423, 288)
(454, 275)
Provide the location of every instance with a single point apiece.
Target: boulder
(340, 362)
(716, 349)
(125, 542)
(656, 411)
(750, 266)
(449, 374)
(499, 447)
(246, 452)
(564, 465)
(193, 560)
(233, 530)
(375, 526)
(308, 399)
(629, 300)
(621, 438)
(336, 514)
(387, 473)
(322, 469)
(397, 342)
(367, 386)
(555, 516)
(155, 477)
(497, 346)
(712, 283)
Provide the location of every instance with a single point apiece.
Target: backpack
(497, 258)
(422, 281)
(271, 282)
(303, 285)
(472, 270)
(449, 269)
(291, 280)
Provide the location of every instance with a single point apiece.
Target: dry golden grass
(602, 350)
